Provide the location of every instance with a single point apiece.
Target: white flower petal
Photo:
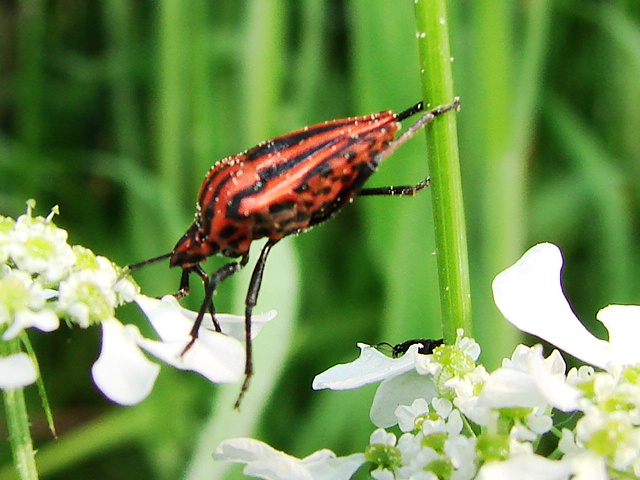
(122, 372)
(623, 324)
(267, 463)
(44, 320)
(511, 388)
(370, 367)
(217, 357)
(588, 465)
(526, 467)
(529, 295)
(170, 320)
(399, 390)
(17, 371)
(535, 383)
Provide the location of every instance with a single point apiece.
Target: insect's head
(192, 248)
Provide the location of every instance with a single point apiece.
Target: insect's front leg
(207, 304)
(185, 288)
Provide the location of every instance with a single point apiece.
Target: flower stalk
(18, 422)
(444, 167)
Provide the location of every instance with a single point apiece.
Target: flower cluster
(443, 416)
(43, 280)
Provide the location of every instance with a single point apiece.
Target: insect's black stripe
(290, 140)
(209, 206)
(324, 169)
(330, 208)
(270, 173)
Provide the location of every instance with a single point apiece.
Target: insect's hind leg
(207, 304)
(402, 190)
(250, 302)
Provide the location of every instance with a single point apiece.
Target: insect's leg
(207, 304)
(205, 280)
(250, 302)
(399, 190)
(424, 120)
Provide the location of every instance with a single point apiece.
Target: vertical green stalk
(18, 423)
(172, 94)
(30, 80)
(444, 167)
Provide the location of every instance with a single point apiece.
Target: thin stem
(18, 423)
(444, 168)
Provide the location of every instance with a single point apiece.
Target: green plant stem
(18, 423)
(444, 168)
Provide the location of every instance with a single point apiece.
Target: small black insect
(427, 346)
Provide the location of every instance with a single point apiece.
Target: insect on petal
(371, 367)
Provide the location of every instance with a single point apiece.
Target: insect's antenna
(381, 344)
(135, 266)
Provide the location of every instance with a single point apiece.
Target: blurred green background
(115, 111)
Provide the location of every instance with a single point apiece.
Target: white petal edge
(623, 324)
(122, 372)
(399, 390)
(529, 295)
(370, 367)
(17, 371)
(526, 467)
(265, 462)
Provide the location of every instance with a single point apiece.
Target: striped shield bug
(281, 187)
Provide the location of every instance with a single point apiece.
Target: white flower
(6, 227)
(529, 380)
(23, 304)
(17, 371)
(529, 295)
(125, 375)
(607, 437)
(37, 246)
(263, 461)
(93, 289)
(407, 415)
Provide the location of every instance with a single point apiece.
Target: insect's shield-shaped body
(283, 186)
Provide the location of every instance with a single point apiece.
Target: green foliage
(116, 110)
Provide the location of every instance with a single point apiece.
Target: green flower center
(13, 294)
(39, 247)
(493, 446)
(606, 441)
(384, 456)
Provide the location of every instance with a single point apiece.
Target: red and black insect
(282, 187)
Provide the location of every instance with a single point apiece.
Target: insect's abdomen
(290, 183)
